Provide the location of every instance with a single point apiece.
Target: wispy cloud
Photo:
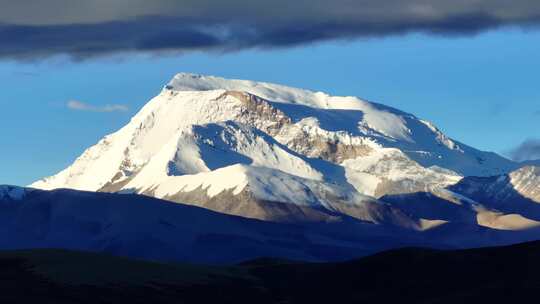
(82, 106)
(528, 150)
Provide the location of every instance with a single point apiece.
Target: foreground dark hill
(488, 275)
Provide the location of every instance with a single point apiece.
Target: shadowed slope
(145, 227)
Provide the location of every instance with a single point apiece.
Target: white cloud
(82, 106)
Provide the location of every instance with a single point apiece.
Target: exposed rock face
(522, 184)
(247, 204)
(258, 109)
(328, 149)
(116, 184)
(395, 173)
(389, 187)
(526, 182)
(259, 113)
(517, 192)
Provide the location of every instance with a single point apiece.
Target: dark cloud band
(33, 29)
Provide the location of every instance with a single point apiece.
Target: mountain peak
(266, 90)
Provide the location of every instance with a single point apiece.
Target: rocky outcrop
(246, 204)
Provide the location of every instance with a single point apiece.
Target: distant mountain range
(362, 176)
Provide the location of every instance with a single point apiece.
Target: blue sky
(481, 90)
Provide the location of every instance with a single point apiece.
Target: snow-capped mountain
(277, 153)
